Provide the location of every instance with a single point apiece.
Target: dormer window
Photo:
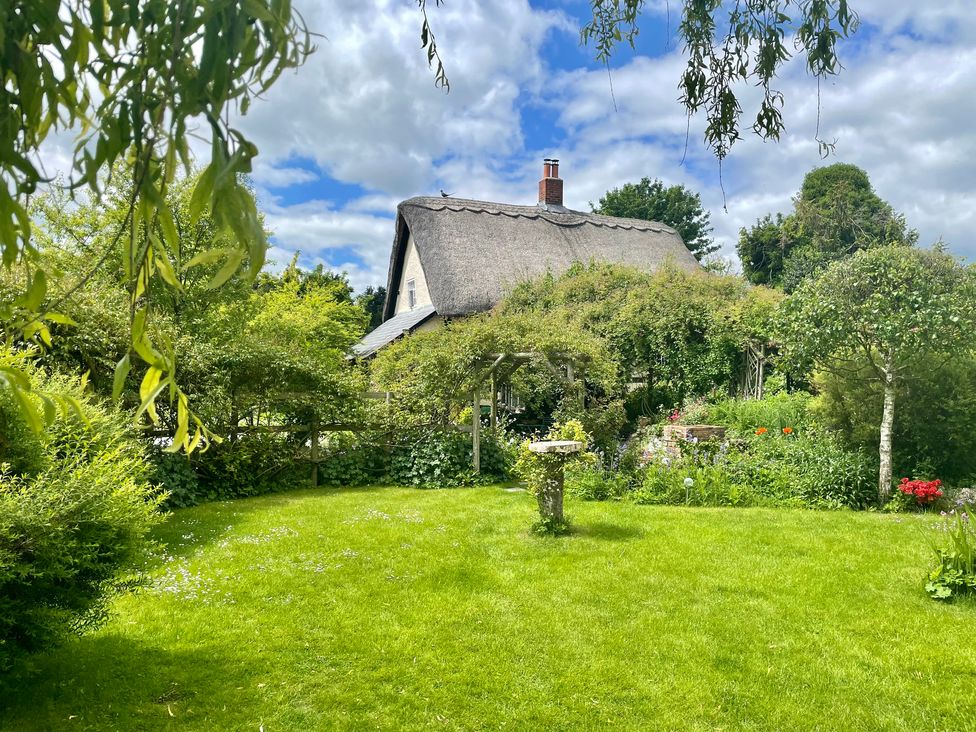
(412, 293)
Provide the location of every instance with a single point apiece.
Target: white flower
(689, 482)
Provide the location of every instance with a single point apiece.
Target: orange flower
(787, 430)
(761, 431)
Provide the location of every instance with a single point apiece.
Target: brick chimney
(551, 185)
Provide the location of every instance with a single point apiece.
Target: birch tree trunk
(887, 423)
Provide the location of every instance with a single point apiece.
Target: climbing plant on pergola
(435, 376)
(501, 367)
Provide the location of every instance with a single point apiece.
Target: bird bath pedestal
(550, 495)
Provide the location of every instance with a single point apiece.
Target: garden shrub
(774, 412)
(250, 466)
(935, 417)
(21, 449)
(710, 485)
(73, 532)
(602, 422)
(812, 468)
(766, 469)
(594, 482)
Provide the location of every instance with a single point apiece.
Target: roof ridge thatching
(557, 215)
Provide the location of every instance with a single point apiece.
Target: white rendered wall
(412, 271)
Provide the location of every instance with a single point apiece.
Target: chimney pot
(551, 185)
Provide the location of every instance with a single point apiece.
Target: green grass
(405, 609)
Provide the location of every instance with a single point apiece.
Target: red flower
(787, 430)
(761, 431)
(925, 492)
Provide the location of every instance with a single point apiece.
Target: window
(412, 293)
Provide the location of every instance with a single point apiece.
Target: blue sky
(361, 126)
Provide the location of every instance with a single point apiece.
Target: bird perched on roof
(445, 195)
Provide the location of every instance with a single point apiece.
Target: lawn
(399, 609)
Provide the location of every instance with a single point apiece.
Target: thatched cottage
(454, 257)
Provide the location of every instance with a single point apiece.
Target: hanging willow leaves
(728, 44)
(132, 80)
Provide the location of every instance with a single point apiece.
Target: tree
(674, 205)
(835, 214)
(372, 300)
(128, 79)
(891, 309)
(762, 250)
(278, 343)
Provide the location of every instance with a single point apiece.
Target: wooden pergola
(501, 366)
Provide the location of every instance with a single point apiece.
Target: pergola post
(475, 431)
(494, 402)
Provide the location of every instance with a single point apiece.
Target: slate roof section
(391, 330)
(473, 252)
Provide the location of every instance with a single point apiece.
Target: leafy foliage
(372, 300)
(800, 469)
(763, 249)
(595, 482)
(835, 214)
(278, 343)
(73, 521)
(898, 304)
(682, 333)
(673, 205)
(128, 80)
(354, 459)
(732, 44)
(252, 466)
(775, 412)
(433, 374)
(441, 458)
(954, 573)
(174, 472)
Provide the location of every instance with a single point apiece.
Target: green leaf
(32, 299)
(208, 257)
(166, 270)
(122, 369)
(59, 318)
(230, 268)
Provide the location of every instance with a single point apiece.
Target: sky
(361, 125)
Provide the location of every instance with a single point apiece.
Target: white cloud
(364, 106)
(325, 234)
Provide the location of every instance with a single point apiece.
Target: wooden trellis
(754, 371)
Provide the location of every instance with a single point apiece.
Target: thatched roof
(472, 252)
